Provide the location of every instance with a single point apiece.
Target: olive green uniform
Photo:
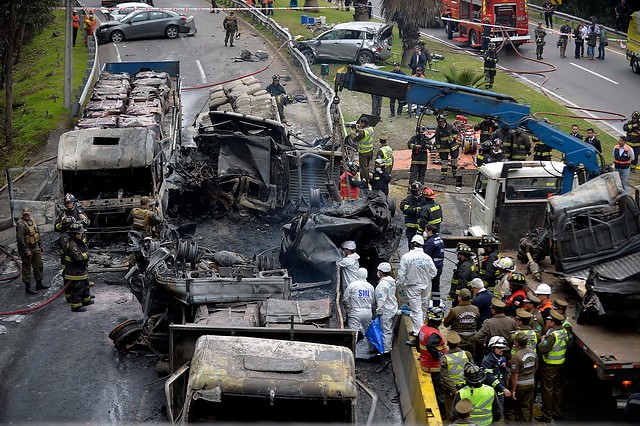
(463, 319)
(552, 349)
(230, 24)
(522, 367)
(29, 247)
(452, 374)
(499, 325)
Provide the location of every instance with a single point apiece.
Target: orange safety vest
(544, 306)
(622, 161)
(348, 192)
(428, 362)
(76, 21)
(513, 296)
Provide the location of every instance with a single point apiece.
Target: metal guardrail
(322, 89)
(93, 66)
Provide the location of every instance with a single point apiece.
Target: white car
(121, 10)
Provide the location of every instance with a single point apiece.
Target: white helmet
(362, 273)
(498, 342)
(543, 289)
(349, 245)
(418, 239)
(384, 267)
(505, 263)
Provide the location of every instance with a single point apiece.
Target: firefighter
(452, 369)
(486, 127)
(30, 248)
(517, 286)
(487, 272)
(380, 177)
(71, 209)
(487, 34)
(230, 25)
(504, 267)
(349, 264)
(76, 258)
(278, 91)
(632, 128)
(362, 134)
(412, 208)
(521, 147)
(490, 61)
(506, 136)
(386, 303)
(359, 298)
(552, 349)
(349, 182)
(434, 247)
(447, 142)
(522, 368)
(496, 155)
(385, 153)
(418, 145)
(463, 319)
(463, 274)
(431, 213)
(541, 151)
(143, 219)
(486, 406)
(496, 368)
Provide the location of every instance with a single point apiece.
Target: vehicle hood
(110, 24)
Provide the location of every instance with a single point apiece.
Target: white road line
(202, 74)
(115, 45)
(594, 73)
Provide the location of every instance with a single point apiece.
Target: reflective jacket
(521, 147)
(386, 153)
(490, 60)
(365, 144)
(418, 146)
(452, 369)
(532, 338)
(380, 180)
(633, 132)
(74, 213)
(487, 272)
(76, 260)
(622, 161)
(430, 353)
(541, 151)
(462, 276)
(446, 138)
(556, 354)
(412, 207)
(496, 370)
(431, 214)
(348, 188)
(482, 399)
(486, 128)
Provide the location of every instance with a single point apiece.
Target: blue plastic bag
(374, 335)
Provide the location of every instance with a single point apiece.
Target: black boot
(29, 290)
(41, 286)
(90, 302)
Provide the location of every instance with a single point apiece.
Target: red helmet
(428, 193)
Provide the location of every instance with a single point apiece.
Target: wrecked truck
(241, 162)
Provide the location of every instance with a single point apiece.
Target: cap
(477, 283)
(543, 289)
(384, 267)
(522, 338)
(497, 303)
(464, 406)
(26, 210)
(384, 137)
(453, 337)
(561, 303)
(418, 240)
(556, 315)
(349, 245)
(145, 200)
(465, 294)
(532, 298)
(521, 313)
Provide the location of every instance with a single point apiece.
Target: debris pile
(245, 96)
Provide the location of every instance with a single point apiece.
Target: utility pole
(68, 54)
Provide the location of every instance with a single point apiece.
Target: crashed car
(361, 42)
(146, 24)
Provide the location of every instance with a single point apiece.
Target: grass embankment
(38, 92)
(354, 104)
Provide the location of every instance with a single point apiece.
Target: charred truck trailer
(119, 150)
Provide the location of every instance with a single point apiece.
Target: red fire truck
(510, 17)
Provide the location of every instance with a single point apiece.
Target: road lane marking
(202, 74)
(115, 45)
(594, 73)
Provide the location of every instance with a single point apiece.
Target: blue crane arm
(504, 109)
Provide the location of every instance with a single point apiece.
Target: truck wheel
(365, 57)
(473, 38)
(116, 36)
(171, 32)
(635, 65)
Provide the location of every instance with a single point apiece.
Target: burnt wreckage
(241, 162)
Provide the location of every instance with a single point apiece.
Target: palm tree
(410, 16)
(465, 77)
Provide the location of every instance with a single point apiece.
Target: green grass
(38, 92)
(504, 83)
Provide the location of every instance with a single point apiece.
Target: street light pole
(68, 54)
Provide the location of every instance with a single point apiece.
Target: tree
(465, 77)
(410, 16)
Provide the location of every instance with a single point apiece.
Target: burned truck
(119, 150)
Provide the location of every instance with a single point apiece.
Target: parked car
(112, 3)
(146, 24)
(360, 42)
(121, 10)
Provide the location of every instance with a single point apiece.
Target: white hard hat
(349, 245)
(362, 273)
(384, 267)
(418, 239)
(498, 342)
(543, 289)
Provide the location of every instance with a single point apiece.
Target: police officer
(531, 305)
(75, 269)
(632, 128)
(447, 143)
(363, 135)
(431, 213)
(418, 144)
(230, 25)
(349, 182)
(385, 153)
(30, 248)
(464, 407)
(522, 367)
(463, 319)
(552, 349)
(434, 247)
(486, 127)
(463, 274)
(452, 369)
(412, 207)
(143, 219)
(386, 303)
(487, 272)
(380, 177)
(359, 299)
(517, 286)
(561, 306)
(523, 321)
(486, 406)
(490, 61)
(495, 367)
(498, 325)
(521, 147)
(541, 151)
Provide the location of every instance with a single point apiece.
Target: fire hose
(38, 306)
(15, 260)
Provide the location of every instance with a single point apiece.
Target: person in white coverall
(349, 264)
(387, 303)
(359, 298)
(414, 277)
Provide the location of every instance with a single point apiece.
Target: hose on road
(38, 306)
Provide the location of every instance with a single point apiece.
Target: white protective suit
(349, 266)
(414, 276)
(359, 297)
(387, 308)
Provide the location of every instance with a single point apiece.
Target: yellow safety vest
(556, 355)
(482, 400)
(532, 338)
(366, 144)
(387, 156)
(455, 366)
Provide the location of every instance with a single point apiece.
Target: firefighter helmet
(353, 167)
(492, 46)
(435, 314)
(428, 193)
(69, 198)
(76, 228)
(518, 279)
(276, 77)
(416, 187)
(379, 162)
(635, 114)
(473, 374)
(498, 342)
(488, 240)
(463, 249)
(441, 118)
(505, 263)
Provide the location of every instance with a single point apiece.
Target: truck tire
(473, 38)
(635, 65)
